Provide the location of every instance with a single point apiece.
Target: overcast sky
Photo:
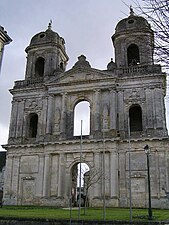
(86, 26)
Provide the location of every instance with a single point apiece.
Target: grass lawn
(91, 213)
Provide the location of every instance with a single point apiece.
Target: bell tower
(46, 55)
(133, 41)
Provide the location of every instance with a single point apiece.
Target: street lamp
(147, 151)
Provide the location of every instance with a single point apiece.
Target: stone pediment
(76, 75)
(81, 72)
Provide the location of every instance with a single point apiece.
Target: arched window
(135, 115)
(82, 113)
(133, 56)
(33, 125)
(39, 67)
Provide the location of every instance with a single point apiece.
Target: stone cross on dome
(131, 11)
(50, 25)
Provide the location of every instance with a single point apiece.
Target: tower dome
(45, 38)
(132, 22)
(133, 41)
(46, 54)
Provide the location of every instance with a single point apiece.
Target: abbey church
(127, 113)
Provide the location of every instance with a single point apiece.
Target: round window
(42, 35)
(131, 21)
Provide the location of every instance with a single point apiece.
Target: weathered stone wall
(43, 177)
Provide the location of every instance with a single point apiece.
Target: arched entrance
(78, 180)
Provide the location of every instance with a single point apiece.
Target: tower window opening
(39, 67)
(33, 124)
(135, 115)
(61, 65)
(82, 113)
(133, 56)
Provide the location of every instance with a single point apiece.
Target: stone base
(109, 202)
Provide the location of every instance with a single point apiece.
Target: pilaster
(113, 110)
(20, 116)
(149, 106)
(13, 121)
(61, 180)
(40, 181)
(15, 179)
(97, 187)
(46, 179)
(121, 116)
(97, 110)
(113, 174)
(49, 115)
(63, 115)
(8, 176)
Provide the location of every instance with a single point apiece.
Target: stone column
(122, 180)
(113, 174)
(159, 107)
(167, 168)
(40, 180)
(13, 121)
(8, 177)
(15, 180)
(61, 180)
(113, 110)
(25, 125)
(49, 115)
(57, 115)
(156, 174)
(150, 109)
(63, 115)
(46, 179)
(121, 119)
(47, 65)
(44, 116)
(107, 173)
(97, 168)
(67, 185)
(54, 174)
(105, 117)
(96, 112)
(29, 66)
(20, 117)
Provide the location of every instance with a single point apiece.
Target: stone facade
(42, 150)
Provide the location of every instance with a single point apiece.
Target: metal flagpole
(70, 222)
(104, 200)
(80, 175)
(130, 169)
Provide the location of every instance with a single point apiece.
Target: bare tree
(90, 178)
(157, 13)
